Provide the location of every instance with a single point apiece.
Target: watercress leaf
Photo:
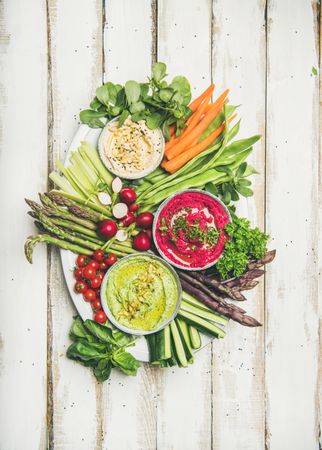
(137, 107)
(88, 115)
(177, 97)
(138, 116)
(144, 89)
(159, 71)
(101, 332)
(154, 120)
(95, 103)
(125, 362)
(166, 131)
(241, 170)
(212, 188)
(244, 191)
(166, 94)
(115, 110)
(181, 85)
(106, 94)
(132, 91)
(120, 97)
(95, 123)
(124, 115)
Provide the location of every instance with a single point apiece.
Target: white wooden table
(259, 388)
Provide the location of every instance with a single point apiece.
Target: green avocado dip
(141, 292)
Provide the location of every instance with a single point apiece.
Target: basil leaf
(181, 85)
(124, 115)
(154, 121)
(137, 107)
(125, 362)
(159, 71)
(79, 331)
(103, 370)
(101, 332)
(85, 351)
(132, 91)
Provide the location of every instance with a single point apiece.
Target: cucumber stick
(187, 298)
(179, 349)
(208, 315)
(202, 324)
(185, 338)
(195, 338)
(163, 344)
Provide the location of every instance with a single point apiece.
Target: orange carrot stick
(188, 139)
(194, 119)
(177, 162)
(194, 105)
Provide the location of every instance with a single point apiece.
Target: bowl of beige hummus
(131, 150)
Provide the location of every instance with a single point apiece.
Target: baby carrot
(194, 105)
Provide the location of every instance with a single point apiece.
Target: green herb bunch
(245, 244)
(101, 347)
(158, 102)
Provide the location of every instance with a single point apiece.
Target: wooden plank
(184, 406)
(292, 214)
(239, 63)
(23, 172)
(128, 55)
(75, 31)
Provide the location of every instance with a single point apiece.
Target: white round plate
(140, 351)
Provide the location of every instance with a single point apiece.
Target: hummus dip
(189, 229)
(142, 293)
(131, 150)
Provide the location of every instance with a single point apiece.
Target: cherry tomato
(111, 259)
(78, 273)
(101, 275)
(80, 287)
(89, 272)
(98, 255)
(134, 207)
(96, 305)
(96, 282)
(93, 264)
(144, 220)
(100, 317)
(89, 295)
(81, 260)
(103, 266)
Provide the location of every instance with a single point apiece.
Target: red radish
(117, 185)
(134, 207)
(149, 233)
(144, 220)
(128, 219)
(142, 242)
(121, 235)
(128, 195)
(104, 198)
(106, 229)
(120, 210)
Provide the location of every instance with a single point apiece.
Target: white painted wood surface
(258, 389)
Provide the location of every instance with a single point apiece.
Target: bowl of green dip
(141, 294)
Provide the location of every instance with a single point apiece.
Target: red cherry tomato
(100, 317)
(128, 195)
(111, 259)
(103, 266)
(98, 255)
(142, 242)
(128, 219)
(80, 287)
(89, 272)
(89, 295)
(134, 207)
(78, 273)
(144, 220)
(96, 282)
(93, 264)
(81, 260)
(96, 305)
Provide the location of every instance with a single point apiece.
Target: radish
(117, 185)
(120, 210)
(104, 198)
(134, 207)
(128, 219)
(142, 242)
(144, 220)
(128, 195)
(121, 235)
(106, 229)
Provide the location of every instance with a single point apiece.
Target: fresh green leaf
(125, 362)
(95, 103)
(166, 94)
(103, 370)
(155, 120)
(85, 351)
(137, 107)
(132, 91)
(181, 85)
(159, 71)
(244, 191)
(241, 170)
(212, 188)
(244, 182)
(90, 117)
(314, 71)
(234, 195)
(125, 114)
(101, 332)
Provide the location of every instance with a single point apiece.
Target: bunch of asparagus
(214, 293)
(69, 225)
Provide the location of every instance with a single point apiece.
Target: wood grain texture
(184, 403)
(128, 48)
(239, 63)
(292, 219)
(23, 172)
(75, 70)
